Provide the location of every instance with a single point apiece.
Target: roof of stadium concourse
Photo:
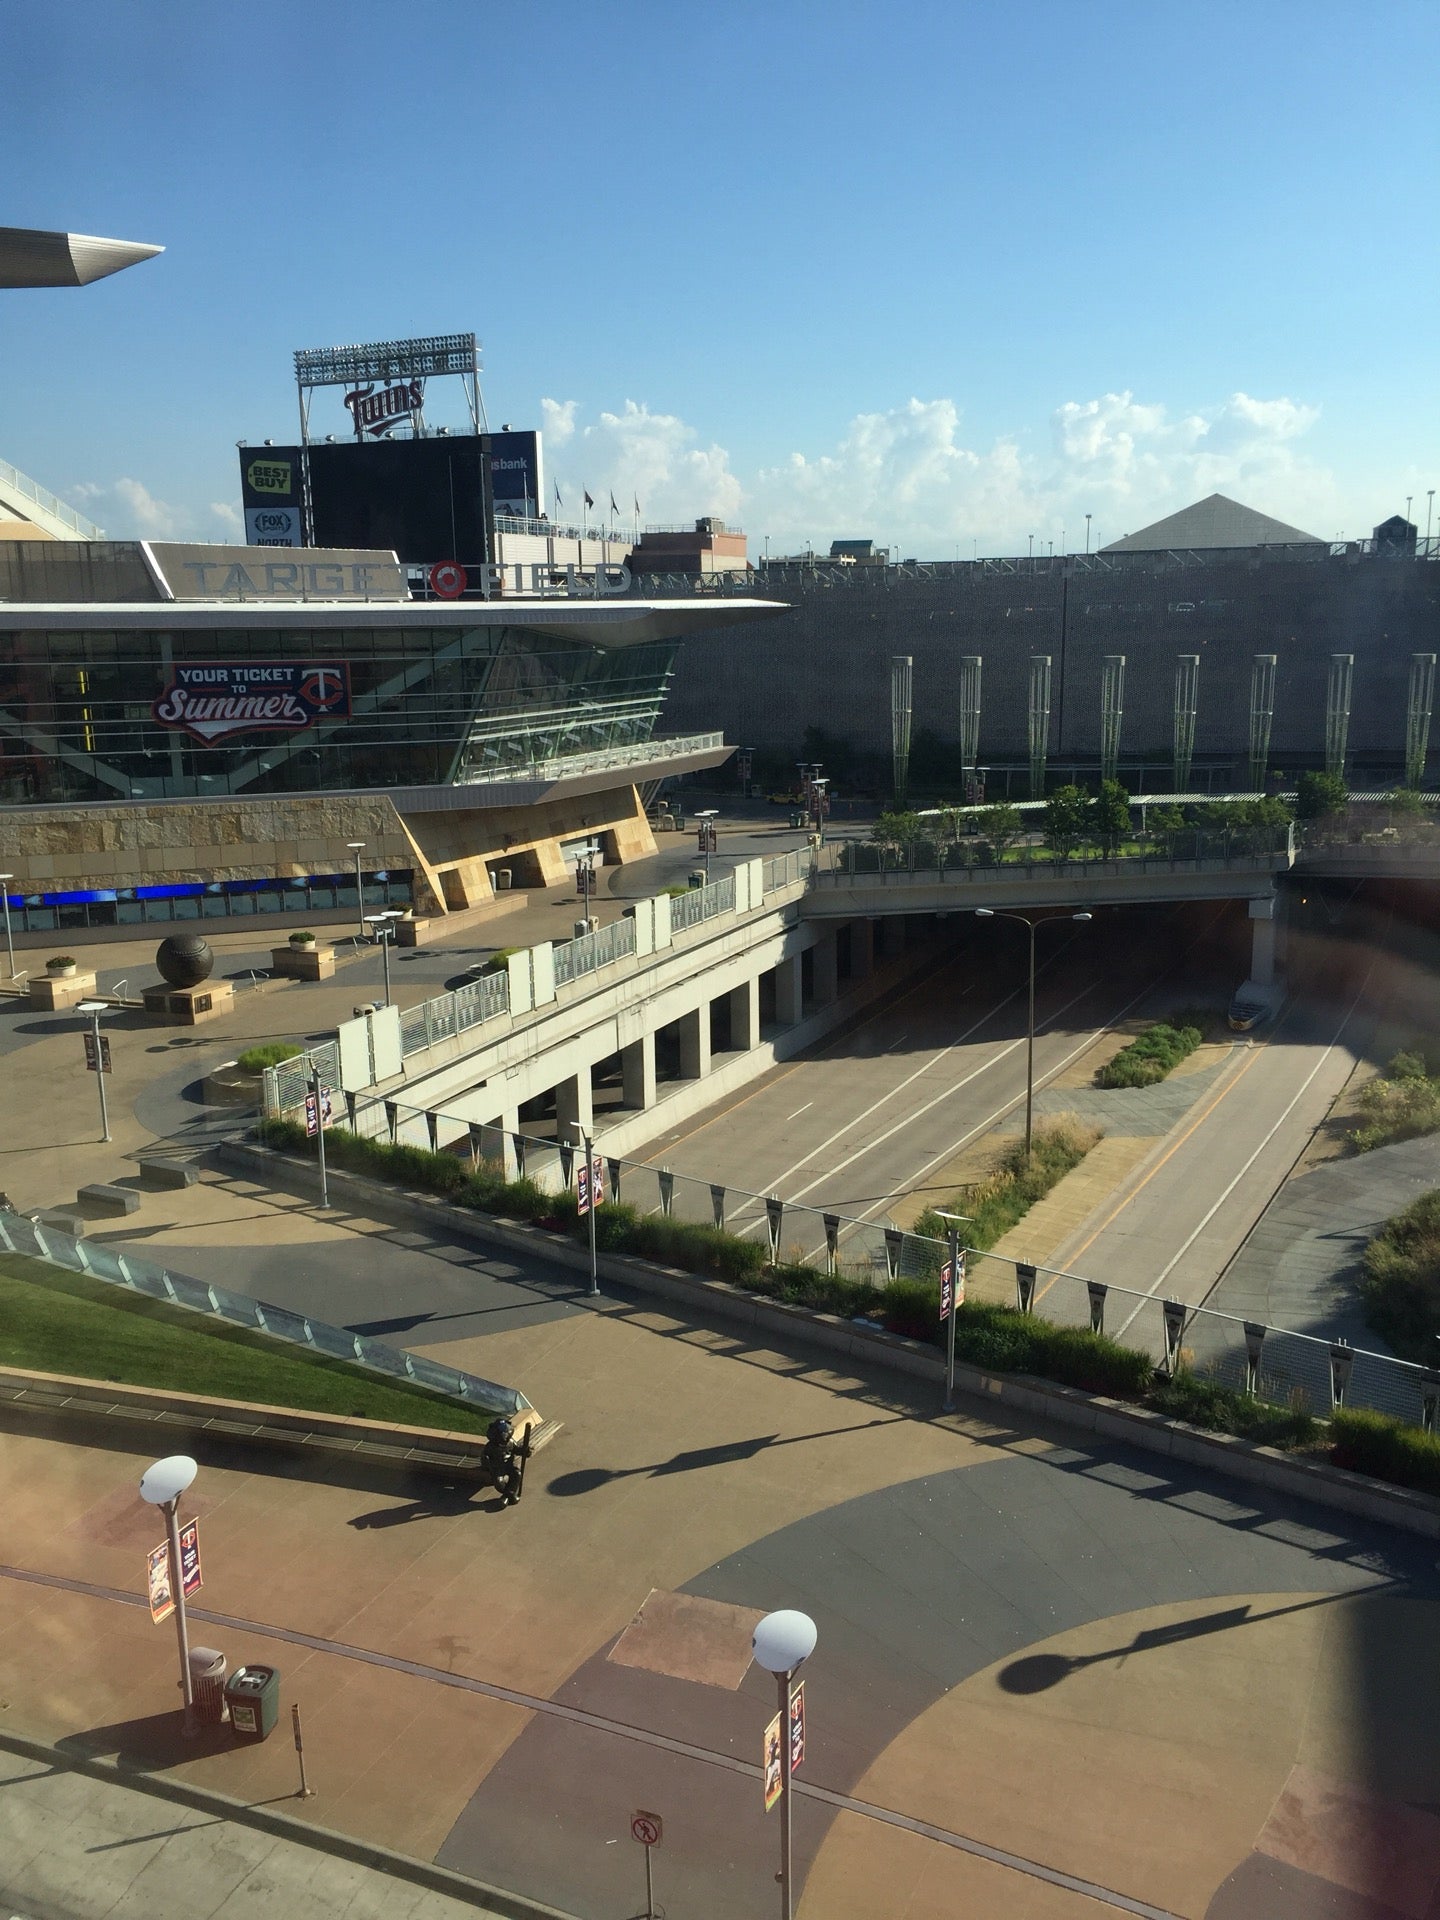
(1213, 522)
(32, 258)
(613, 624)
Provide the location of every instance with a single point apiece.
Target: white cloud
(127, 510)
(908, 476)
(638, 455)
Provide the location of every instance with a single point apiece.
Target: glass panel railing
(23, 1236)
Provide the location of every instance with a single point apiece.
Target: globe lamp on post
(161, 1485)
(781, 1643)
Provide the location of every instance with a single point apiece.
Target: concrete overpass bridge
(638, 1025)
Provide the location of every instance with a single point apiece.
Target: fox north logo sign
(210, 700)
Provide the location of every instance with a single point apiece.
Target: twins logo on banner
(589, 1185)
(952, 1287)
(211, 699)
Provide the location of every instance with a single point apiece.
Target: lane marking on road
(799, 1110)
(917, 1113)
(579, 1716)
(1009, 1106)
(774, 1183)
(1293, 1102)
(774, 1076)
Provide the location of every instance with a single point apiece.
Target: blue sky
(942, 275)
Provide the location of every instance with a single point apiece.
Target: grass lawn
(55, 1321)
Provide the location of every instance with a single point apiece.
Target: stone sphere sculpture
(184, 959)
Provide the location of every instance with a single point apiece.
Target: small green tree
(901, 829)
(1165, 826)
(1112, 814)
(1002, 825)
(1405, 804)
(1067, 820)
(1320, 796)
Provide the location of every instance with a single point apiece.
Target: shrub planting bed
(1400, 1104)
(269, 1054)
(1157, 1052)
(1401, 1284)
(1002, 1201)
(995, 1338)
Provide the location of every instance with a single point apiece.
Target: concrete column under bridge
(745, 1016)
(789, 991)
(826, 965)
(1263, 929)
(574, 1103)
(862, 949)
(695, 1042)
(637, 1072)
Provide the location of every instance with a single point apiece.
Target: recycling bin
(253, 1696)
(207, 1684)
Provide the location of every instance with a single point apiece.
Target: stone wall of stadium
(826, 663)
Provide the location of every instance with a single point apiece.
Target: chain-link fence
(20, 1235)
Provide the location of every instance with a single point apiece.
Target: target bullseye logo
(447, 579)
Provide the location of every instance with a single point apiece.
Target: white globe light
(782, 1640)
(167, 1479)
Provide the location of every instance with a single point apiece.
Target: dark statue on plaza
(502, 1464)
(184, 960)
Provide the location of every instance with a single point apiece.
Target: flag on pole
(559, 503)
(588, 501)
(613, 508)
(637, 506)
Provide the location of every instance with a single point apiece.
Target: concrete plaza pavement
(73, 1847)
(1051, 1679)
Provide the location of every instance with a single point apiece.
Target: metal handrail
(50, 503)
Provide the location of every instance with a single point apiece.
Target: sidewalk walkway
(77, 1848)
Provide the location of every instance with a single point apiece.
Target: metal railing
(1280, 1365)
(28, 489)
(592, 760)
(702, 903)
(589, 951)
(451, 1014)
(19, 1235)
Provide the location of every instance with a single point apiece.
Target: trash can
(697, 879)
(207, 1684)
(253, 1696)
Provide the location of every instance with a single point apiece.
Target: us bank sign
(212, 699)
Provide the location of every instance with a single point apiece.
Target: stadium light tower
(32, 258)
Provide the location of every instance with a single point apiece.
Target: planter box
(52, 991)
(303, 963)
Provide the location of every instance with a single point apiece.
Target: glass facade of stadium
(424, 704)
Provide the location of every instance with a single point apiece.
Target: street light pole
(318, 1094)
(588, 1148)
(384, 925)
(9, 936)
(357, 847)
(782, 1643)
(95, 1008)
(161, 1485)
(956, 1221)
(989, 913)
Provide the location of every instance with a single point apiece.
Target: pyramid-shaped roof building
(1215, 522)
